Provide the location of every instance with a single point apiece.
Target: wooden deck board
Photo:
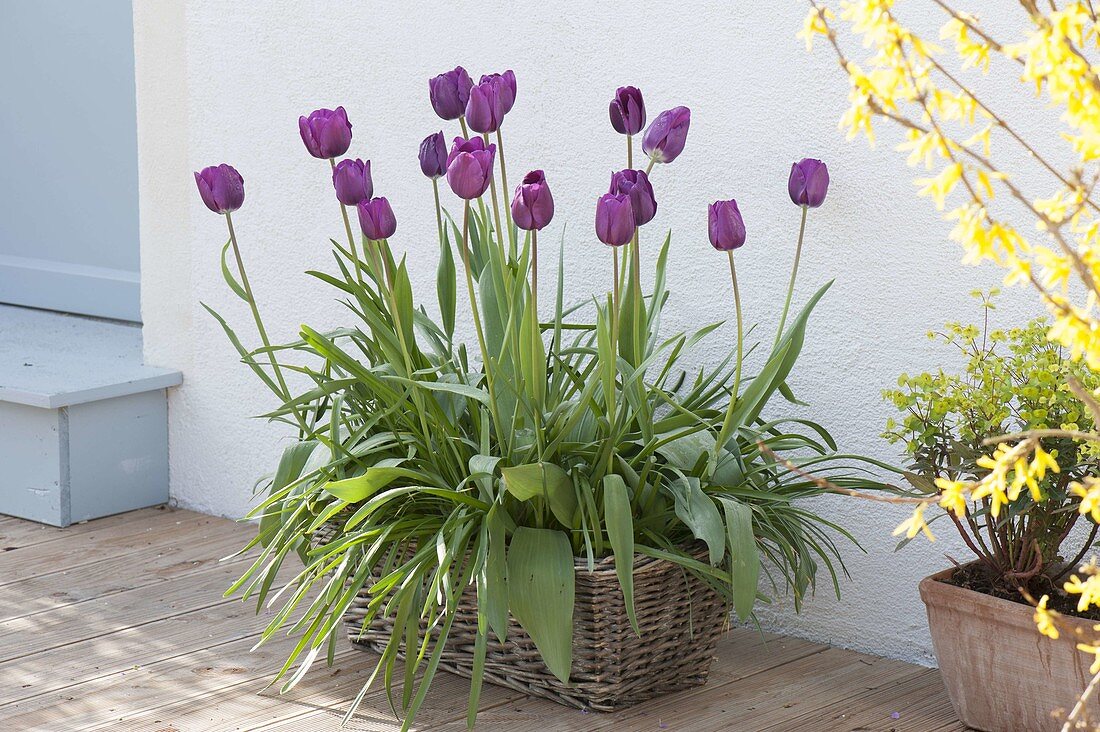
(115, 574)
(17, 533)
(120, 624)
(115, 540)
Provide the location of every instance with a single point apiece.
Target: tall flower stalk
(808, 184)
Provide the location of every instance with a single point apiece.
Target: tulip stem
(637, 265)
(535, 272)
(504, 188)
(649, 167)
(727, 423)
(285, 395)
(630, 151)
(462, 123)
(347, 228)
(794, 274)
(473, 309)
(496, 205)
(615, 261)
(438, 210)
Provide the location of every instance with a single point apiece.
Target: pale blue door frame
(68, 157)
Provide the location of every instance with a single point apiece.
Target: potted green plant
(560, 506)
(1020, 528)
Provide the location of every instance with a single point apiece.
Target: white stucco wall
(225, 82)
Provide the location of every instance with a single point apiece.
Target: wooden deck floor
(120, 624)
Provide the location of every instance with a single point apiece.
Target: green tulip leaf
(744, 558)
(620, 530)
(698, 512)
(541, 589)
(362, 487)
(546, 481)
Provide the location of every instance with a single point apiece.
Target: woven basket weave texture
(680, 618)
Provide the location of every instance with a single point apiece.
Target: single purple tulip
(809, 182)
(533, 206)
(485, 108)
(433, 155)
(351, 179)
(376, 218)
(449, 92)
(627, 111)
(326, 132)
(614, 219)
(635, 183)
(725, 225)
(221, 188)
(470, 167)
(664, 140)
(505, 85)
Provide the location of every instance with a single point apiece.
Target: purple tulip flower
(533, 206)
(809, 182)
(664, 140)
(433, 155)
(485, 108)
(505, 85)
(725, 225)
(470, 167)
(635, 183)
(351, 179)
(221, 188)
(627, 111)
(449, 92)
(614, 219)
(376, 218)
(326, 132)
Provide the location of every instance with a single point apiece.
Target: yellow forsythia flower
(952, 496)
(1095, 651)
(915, 524)
(1044, 620)
(1088, 589)
(1089, 492)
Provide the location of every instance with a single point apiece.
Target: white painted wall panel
(226, 82)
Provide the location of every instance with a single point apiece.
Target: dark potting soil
(977, 578)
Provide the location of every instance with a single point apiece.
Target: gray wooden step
(83, 421)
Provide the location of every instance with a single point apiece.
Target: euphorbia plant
(570, 432)
(1011, 382)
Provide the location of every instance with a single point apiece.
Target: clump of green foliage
(1012, 381)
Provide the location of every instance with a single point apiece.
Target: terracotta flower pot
(1001, 673)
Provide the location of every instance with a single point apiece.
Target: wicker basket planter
(680, 617)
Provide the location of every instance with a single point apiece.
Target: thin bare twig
(830, 487)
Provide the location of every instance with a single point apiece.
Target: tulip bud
(376, 218)
(221, 188)
(614, 219)
(532, 206)
(725, 225)
(505, 84)
(433, 155)
(809, 182)
(664, 140)
(627, 111)
(326, 132)
(449, 92)
(635, 183)
(485, 108)
(351, 179)
(470, 167)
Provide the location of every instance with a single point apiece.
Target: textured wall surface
(226, 82)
